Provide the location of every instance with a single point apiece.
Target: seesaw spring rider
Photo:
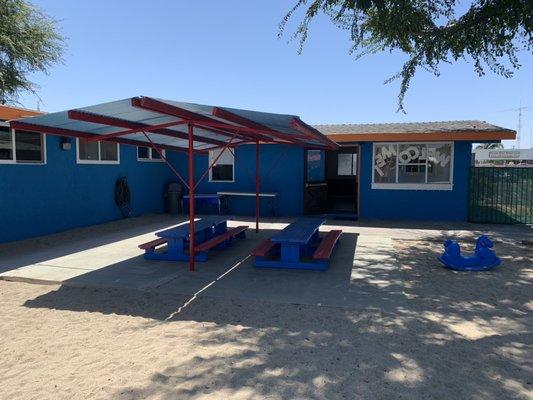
(483, 259)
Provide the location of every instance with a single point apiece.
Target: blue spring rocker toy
(483, 259)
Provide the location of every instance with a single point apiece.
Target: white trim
(14, 151)
(413, 186)
(151, 154)
(211, 169)
(97, 162)
(218, 181)
(247, 194)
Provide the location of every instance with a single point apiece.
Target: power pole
(520, 109)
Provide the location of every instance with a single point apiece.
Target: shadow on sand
(414, 331)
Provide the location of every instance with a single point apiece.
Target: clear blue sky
(227, 53)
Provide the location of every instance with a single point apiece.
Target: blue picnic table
(208, 199)
(299, 239)
(210, 231)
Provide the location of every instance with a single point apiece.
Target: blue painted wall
(285, 178)
(443, 205)
(42, 199)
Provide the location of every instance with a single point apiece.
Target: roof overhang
(473, 136)
(8, 113)
(147, 121)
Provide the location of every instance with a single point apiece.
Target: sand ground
(453, 336)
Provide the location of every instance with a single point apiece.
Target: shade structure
(178, 126)
(126, 121)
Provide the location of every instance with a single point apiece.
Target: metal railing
(501, 195)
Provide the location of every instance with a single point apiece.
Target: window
(316, 166)
(423, 166)
(346, 164)
(6, 144)
(100, 152)
(222, 170)
(149, 154)
(22, 147)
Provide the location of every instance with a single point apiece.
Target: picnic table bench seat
(150, 246)
(239, 231)
(325, 248)
(263, 249)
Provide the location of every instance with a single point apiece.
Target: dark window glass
(155, 154)
(222, 172)
(411, 173)
(6, 144)
(142, 152)
(29, 146)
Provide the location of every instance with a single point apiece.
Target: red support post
(192, 240)
(257, 186)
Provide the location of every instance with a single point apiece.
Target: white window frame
(413, 186)
(99, 161)
(211, 169)
(151, 155)
(14, 151)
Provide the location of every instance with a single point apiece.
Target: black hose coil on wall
(123, 197)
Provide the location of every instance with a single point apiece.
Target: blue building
(54, 182)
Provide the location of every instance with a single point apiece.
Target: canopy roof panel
(144, 121)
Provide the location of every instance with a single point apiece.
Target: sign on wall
(512, 154)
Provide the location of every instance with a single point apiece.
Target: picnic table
(298, 240)
(209, 199)
(210, 232)
(269, 196)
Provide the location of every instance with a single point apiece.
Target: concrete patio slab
(363, 270)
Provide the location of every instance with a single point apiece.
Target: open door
(315, 185)
(342, 180)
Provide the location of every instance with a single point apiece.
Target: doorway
(315, 184)
(342, 180)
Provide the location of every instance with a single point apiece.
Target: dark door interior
(341, 178)
(315, 185)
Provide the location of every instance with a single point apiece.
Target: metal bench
(149, 247)
(325, 248)
(224, 238)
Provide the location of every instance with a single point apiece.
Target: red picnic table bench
(299, 240)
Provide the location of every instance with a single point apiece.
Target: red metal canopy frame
(236, 130)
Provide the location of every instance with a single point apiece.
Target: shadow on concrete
(228, 274)
(50, 247)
